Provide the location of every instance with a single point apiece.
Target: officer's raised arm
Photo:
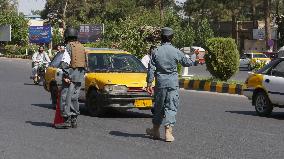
(151, 73)
(183, 60)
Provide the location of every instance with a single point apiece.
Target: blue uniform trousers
(69, 104)
(166, 105)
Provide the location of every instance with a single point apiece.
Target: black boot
(74, 122)
(65, 125)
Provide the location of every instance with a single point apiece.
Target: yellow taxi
(114, 79)
(266, 87)
(249, 60)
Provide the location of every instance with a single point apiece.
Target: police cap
(166, 31)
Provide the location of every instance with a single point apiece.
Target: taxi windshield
(99, 62)
(259, 56)
(267, 67)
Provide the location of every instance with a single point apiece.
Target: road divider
(204, 85)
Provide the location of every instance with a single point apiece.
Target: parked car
(248, 60)
(266, 87)
(114, 79)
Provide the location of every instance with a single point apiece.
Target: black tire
(263, 106)
(94, 105)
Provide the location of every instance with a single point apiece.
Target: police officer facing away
(73, 76)
(163, 67)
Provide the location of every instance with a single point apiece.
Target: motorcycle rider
(39, 58)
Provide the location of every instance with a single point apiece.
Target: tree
(19, 27)
(203, 32)
(7, 6)
(222, 59)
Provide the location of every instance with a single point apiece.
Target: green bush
(222, 60)
(12, 50)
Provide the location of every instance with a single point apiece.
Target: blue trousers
(69, 104)
(166, 106)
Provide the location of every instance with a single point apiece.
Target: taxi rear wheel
(262, 104)
(94, 105)
(54, 94)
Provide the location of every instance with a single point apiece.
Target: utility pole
(267, 21)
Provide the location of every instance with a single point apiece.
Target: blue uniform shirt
(163, 66)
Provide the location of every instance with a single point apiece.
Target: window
(247, 56)
(114, 63)
(56, 60)
(267, 68)
(259, 56)
(278, 70)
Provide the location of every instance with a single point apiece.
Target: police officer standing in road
(73, 76)
(163, 67)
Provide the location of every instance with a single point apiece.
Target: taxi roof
(105, 51)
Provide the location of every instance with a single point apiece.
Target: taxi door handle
(267, 80)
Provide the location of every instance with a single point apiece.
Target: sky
(26, 6)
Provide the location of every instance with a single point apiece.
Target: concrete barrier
(203, 85)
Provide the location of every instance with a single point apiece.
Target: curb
(18, 56)
(219, 87)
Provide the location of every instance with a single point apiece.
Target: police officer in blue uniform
(73, 76)
(163, 67)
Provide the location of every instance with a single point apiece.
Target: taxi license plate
(143, 103)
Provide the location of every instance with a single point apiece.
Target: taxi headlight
(115, 88)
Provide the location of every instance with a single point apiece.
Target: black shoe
(74, 122)
(65, 125)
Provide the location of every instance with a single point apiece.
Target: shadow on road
(47, 106)
(274, 115)
(29, 84)
(125, 114)
(45, 124)
(112, 113)
(123, 134)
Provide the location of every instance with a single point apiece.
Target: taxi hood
(127, 79)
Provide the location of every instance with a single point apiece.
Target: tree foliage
(222, 59)
(19, 27)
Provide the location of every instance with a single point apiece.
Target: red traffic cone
(58, 119)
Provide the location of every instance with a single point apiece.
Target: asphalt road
(209, 125)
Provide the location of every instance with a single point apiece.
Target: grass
(211, 79)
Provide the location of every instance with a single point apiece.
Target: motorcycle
(40, 73)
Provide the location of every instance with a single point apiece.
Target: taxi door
(274, 84)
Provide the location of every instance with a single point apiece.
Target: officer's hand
(150, 90)
(67, 80)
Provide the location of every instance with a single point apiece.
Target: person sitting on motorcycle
(38, 59)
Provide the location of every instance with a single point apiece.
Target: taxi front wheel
(262, 104)
(94, 105)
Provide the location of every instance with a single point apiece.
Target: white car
(266, 87)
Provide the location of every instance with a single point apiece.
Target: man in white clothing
(38, 58)
(145, 60)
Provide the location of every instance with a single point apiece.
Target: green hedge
(222, 60)
(19, 50)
